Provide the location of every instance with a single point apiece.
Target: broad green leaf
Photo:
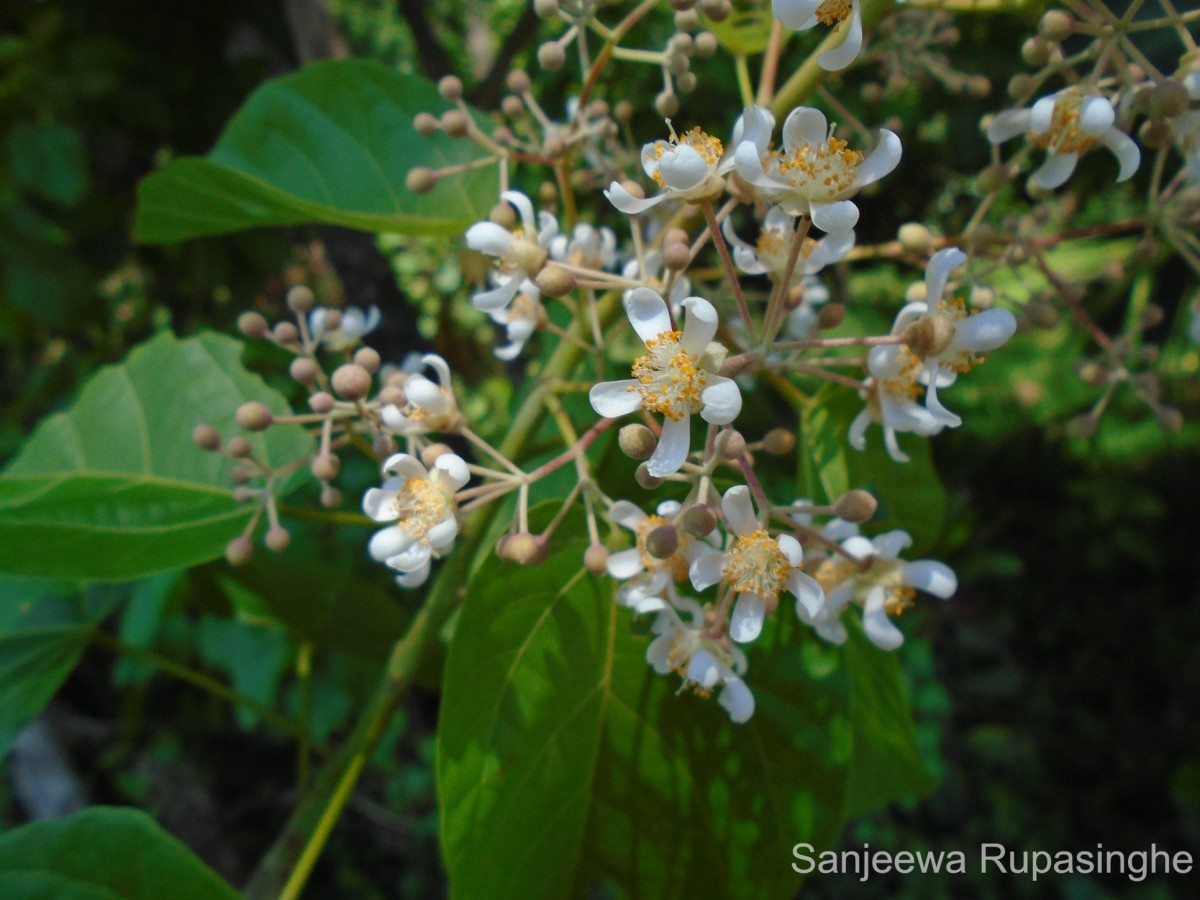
(332, 143)
(824, 472)
(114, 488)
(50, 160)
(567, 763)
(104, 853)
(745, 33)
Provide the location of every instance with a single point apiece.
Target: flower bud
(1081, 428)
(1056, 25)
(546, 9)
(286, 333)
(637, 441)
(698, 520)
(455, 123)
(551, 56)
(425, 124)
(331, 497)
(779, 442)
(686, 20)
(1020, 85)
(667, 103)
(243, 494)
(915, 238)
(321, 402)
(555, 281)
(303, 370)
(206, 437)
(1155, 133)
(729, 444)
(662, 542)
(333, 319)
(526, 549)
(451, 88)
(432, 453)
(325, 467)
(717, 10)
(831, 316)
(624, 111)
(595, 559)
(706, 43)
(254, 416)
(368, 359)
(1169, 419)
(300, 299)
(390, 396)
(686, 82)
(278, 538)
(518, 81)
(930, 335)
(512, 106)
(239, 447)
(676, 256)
(1042, 314)
(982, 297)
(252, 325)
(383, 446)
(239, 551)
(855, 506)
(1036, 51)
(421, 180)
(555, 146)
(1152, 315)
(682, 5)
(352, 381)
(645, 479)
(1091, 373)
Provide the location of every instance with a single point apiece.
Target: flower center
(710, 148)
(955, 308)
(419, 505)
(820, 172)
(904, 385)
(523, 307)
(756, 565)
(679, 657)
(774, 248)
(1064, 134)
(883, 572)
(675, 564)
(833, 11)
(668, 378)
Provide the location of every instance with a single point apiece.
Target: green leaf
(332, 143)
(104, 853)
(745, 33)
(114, 488)
(566, 762)
(824, 472)
(50, 160)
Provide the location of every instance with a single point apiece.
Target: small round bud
(1056, 25)
(547, 192)
(555, 146)
(325, 467)
(206, 437)
(675, 236)
(662, 542)
(1092, 374)
(391, 396)
(698, 520)
(779, 442)
(982, 297)
(717, 10)
(383, 446)
(252, 325)
(686, 82)
(687, 20)
(425, 124)
(555, 281)
(278, 538)
(331, 497)
(551, 56)
(595, 559)
(676, 256)
(637, 441)
(1169, 419)
(321, 402)
(527, 549)
(512, 106)
(729, 444)
(242, 473)
(503, 135)
(1020, 85)
(667, 103)
(677, 63)
(1042, 314)
(979, 86)
(300, 299)
(421, 180)
(1155, 133)
(368, 358)
(1036, 51)
(645, 479)
(432, 453)
(239, 447)
(633, 189)
(855, 506)
(333, 319)
(503, 215)
(915, 238)
(706, 43)
(455, 123)
(992, 179)
(518, 81)
(831, 316)
(352, 381)
(623, 111)
(451, 88)
(286, 333)
(546, 9)
(254, 416)
(929, 335)
(243, 494)
(239, 551)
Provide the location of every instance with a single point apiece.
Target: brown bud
(331, 497)
(698, 520)
(300, 299)
(645, 479)
(431, 453)
(325, 467)
(1091, 373)
(1056, 25)
(706, 43)
(518, 81)
(1042, 314)
(551, 56)
(512, 106)
(1169, 419)
(1036, 51)
(254, 416)
(425, 124)
(455, 123)
(929, 335)
(1020, 85)
(676, 256)
(391, 396)
(239, 447)
(555, 281)
(662, 542)
(717, 10)
(286, 333)
(239, 551)
(682, 5)
(278, 538)
(637, 441)
(352, 381)
(686, 82)
(383, 446)
(623, 111)
(303, 370)
(321, 402)
(667, 103)
(729, 444)
(252, 325)
(915, 238)
(1081, 428)
(779, 442)
(1155, 133)
(595, 559)
(831, 316)
(421, 180)
(206, 437)
(503, 215)
(546, 9)
(855, 506)
(555, 146)
(451, 88)
(526, 549)
(368, 359)
(687, 20)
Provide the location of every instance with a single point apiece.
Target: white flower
(429, 406)
(701, 662)
(801, 15)
(691, 167)
(674, 378)
(814, 172)
(1066, 125)
(1186, 126)
(886, 588)
(423, 506)
(802, 321)
(769, 256)
(591, 248)
(520, 319)
(353, 325)
(757, 567)
(521, 253)
(892, 400)
(646, 577)
(958, 338)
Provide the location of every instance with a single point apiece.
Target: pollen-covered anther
(833, 11)
(757, 565)
(1065, 134)
(669, 379)
(419, 505)
(821, 171)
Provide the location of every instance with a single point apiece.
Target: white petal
(1007, 125)
(985, 331)
(847, 51)
(704, 669)
(736, 698)
(931, 576)
(490, 238)
(394, 419)
(547, 228)
(647, 313)
(498, 297)
(830, 249)
(749, 167)
(808, 593)
(877, 625)
(859, 547)
(1055, 170)
(834, 218)
(699, 325)
(524, 206)
(389, 542)
(890, 544)
(629, 204)
(937, 273)
(615, 398)
(377, 504)
(791, 549)
(805, 125)
(422, 392)
(1041, 115)
(833, 631)
(722, 400)
(316, 322)
(747, 620)
(406, 466)
(1125, 150)
(442, 534)
(684, 169)
(858, 430)
(1096, 116)
(413, 558)
(754, 125)
(669, 509)
(884, 158)
(657, 654)
(706, 570)
(439, 366)
(625, 564)
(794, 13)
(934, 405)
(626, 514)
(451, 469)
(738, 510)
(415, 578)
(673, 446)
(892, 445)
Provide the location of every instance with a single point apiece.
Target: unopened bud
(421, 180)
(331, 497)
(555, 281)
(206, 437)
(698, 520)
(325, 467)
(286, 333)
(686, 82)
(929, 335)
(623, 111)
(637, 441)
(1169, 419)
(1081, 428)
(676, 256)
(451, 88)
(432, 453)
(278, 538)
(300, 299)
(368, 358)
(855, 506)
(1152, 315)
(1169, 99)
(321, 402)
(915, 238)
(383, 446)
(686, 20)
(1036, 51)
(982, 297)
(239, 551)
(455, 123)
(518, 81)
(551, 56)
(390, 396)
(425, 124)
(645, 479)
(779, 442)
(831, 316)
(595, 559)
(662, 542)
(526, 549)
(253, 325)
(667, 103)
(1091, 373)
(503, 215)
(1155, 133)
(706, 43)
(1042, 314)
(682, 5)
(546, 9)
(512, 106)
(717, 10)
(254, 416)
(729, 444)
(239, 447)
(352, 381)
(1020, 85)
(303, 370)
(1056, 25)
